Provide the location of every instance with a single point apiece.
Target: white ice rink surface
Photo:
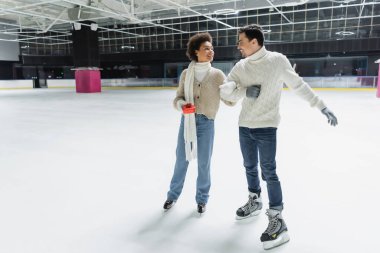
(88, 173)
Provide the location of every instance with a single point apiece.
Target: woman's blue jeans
(260, 144)
(205, 142)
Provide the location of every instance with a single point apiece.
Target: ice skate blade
(255, 213)
(166, 210)
(283, 238)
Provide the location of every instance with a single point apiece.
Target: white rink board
(59, 83)
(16, 84)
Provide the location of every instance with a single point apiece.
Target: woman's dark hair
(195, 43)
(253, 32)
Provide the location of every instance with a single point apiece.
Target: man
(259, 79)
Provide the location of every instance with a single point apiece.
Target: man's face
(247, 47)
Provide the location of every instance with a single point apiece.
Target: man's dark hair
(195, 43)
(253, 32)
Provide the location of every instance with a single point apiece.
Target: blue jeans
(260, 144)
(205, 142)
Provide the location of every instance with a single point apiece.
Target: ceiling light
(131, 47)
(344, 33)
(294, 3)
(226, 12)
(94, 26)
(342, 1)
(77, 26)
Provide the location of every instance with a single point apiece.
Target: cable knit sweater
(206, 93)
(270, 70)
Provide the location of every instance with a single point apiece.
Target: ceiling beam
(194, 11)
(28, 5)
(125, 16)
(280, 12)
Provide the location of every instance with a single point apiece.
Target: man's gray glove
(253, 91)
(330, 116)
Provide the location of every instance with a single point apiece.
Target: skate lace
(249, 203)
(273, 221)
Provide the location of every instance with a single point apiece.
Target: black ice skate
(251, 208)
(276, 232)
(169, 204)
(201, 208)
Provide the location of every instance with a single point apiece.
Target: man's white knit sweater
(270, 70)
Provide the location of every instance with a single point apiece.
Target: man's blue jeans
(205, 142)
(260, 144)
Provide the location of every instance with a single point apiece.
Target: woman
(198, 99)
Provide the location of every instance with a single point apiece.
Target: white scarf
(190, 130)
